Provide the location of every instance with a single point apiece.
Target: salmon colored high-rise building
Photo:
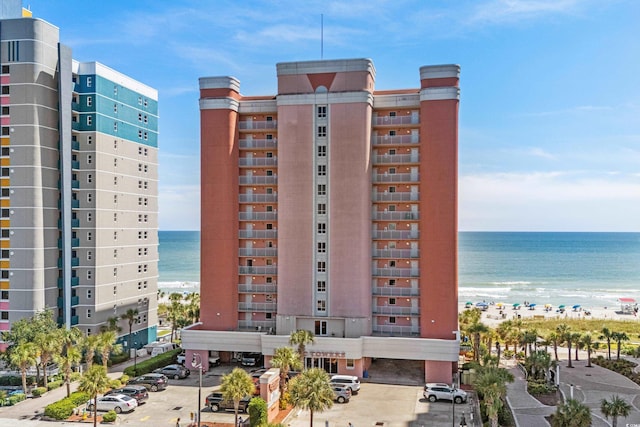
(331, 207)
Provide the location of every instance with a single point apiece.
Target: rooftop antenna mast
(321, 36)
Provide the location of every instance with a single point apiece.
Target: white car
(440, 391)
(118, 403)
(349, 381)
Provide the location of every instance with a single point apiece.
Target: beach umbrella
(500, 305)
(561, 306)
(532, 305)
(575, 307)
(516, 304)
(548, 305)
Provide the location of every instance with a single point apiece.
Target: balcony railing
(404, 196)
(75, 281)
(396, 120)
(258, 161)
(395, 310)
(396, 139)
(395, 253)
(258, 143)
(270, 252)
(257, 306)
(257, 198)
(258, 234)
(395, 291)
(258, 180)
(398, 331)
(267, 288)
(388, 159)
(255, 125)
(264, 269)
(75, 145)
(74, 301)
(396, 177)
(258, 216)
(395, 216)
(396, 272)
(395, 234)
(260, 325)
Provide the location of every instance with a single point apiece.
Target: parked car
(181, 357)
(341, 394)
(216, 402)
(175, 371)
(138, 392)
(251, 359)
(440, 391)
(153, 381)
(347, 380)
(214, 359)
(116, 402)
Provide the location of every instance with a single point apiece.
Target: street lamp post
(135, 358)
(196, 362)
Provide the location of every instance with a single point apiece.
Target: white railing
(396, 177)
(395, 216)
(252, 125)
(396, 120)
(403, 196)
(396, 330)
(395, 234)
(396, 272)
(244, 269)
(258, 161)
(395, 253)
(267, 288)
(258, 234)
(258, 143)
(390, 309)
(395, 291)
(258, 216)
(257, 306)
(257, 198)
(258, 252)
(396, 139)
(387, 159)
(258, 180)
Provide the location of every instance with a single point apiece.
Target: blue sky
(550, 89)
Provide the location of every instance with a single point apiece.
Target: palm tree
(93, 382)
(90, 344)
(311, 390)
(70, 354)
(193, 307)
(572, 413)
(112, 325)
(476, 330)
(301, 338)
(606, 335)
(616, 407)
(491, 384)
(49, 344)
(503, 331)
(553, 338)
(564, 334)
(235, 386)
(286, 359)
(619, 337)
(131, 316)
(539, 363)
(23, 356)
(575, 337)
(176, 313)
(106, 343)
(587, 341)
(529, 337)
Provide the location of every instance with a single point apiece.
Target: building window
(89, 217)
(269, 137)
(351, 363)
(269, 190)
(88, 313)
(89, 120)
(115, 126)
(321, 306)
(392, 208)
(322, 266)
(392, 133)
(89, 274)
(392, 171)
(322, 228)
(5, 111)
(392, 189)
(5, 69)
(139, 100)
(322, 189)
(89, 81)
(392, 282)
(115, 199)
(115, 235)
(4, 315)
(115, 272)
(115, 253)
(321, 286)
(322, 132)
(322, 208)
(322, 151)
(5, 90)
(392, 319)
(322, 111)
(89, 101)
(115, 108)
(392, 113)
(392, 151)
(4, 295)
(322, 247)
(392, 301)
(392, 264)
(322, 170)
(89, 140)
(89, 236)
(89, 159)
(115, 180)
(115, 217)
(268, 315)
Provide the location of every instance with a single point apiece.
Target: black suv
(153, 382)
(216, 402)
(251, 359)
(138, 392)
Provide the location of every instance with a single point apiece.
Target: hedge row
(62, 409)
(158, 361)
(13, 381)
(19, 397)
(54, 385)
(38, 391)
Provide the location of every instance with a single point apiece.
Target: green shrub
(75, 376)
(124, 378)
(38, 391)
(118, 358)
(539, 387)
(16, 398)
(79, 398)
(54, 384)
(149, 365)
(109, 417)
(12, 381)
(115, 384)
(62, 409)
(257, 412)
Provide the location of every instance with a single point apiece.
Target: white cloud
(539, 152)
(510, 11)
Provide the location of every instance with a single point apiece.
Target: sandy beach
(495, 314)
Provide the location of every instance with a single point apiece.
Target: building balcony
(74, 320)
(75, 164)
(395, 234)
(258, 143)
(74, 262)
(75, 125)
(74, 301)
(396, 177)
(395, 216)
(75, 145)
(396, 159)
(404, 196)
(258, 180)
(396, 331)
(395, 310)
(74, 243)
(75, 281)
(257, 198)
(75, 184)
(263, 269)
(258, 234)
(258, 216)
(395, 291)
(396, 272)
(261, 325)
(74, 223)
(258, 252)
(257, 161)
(396, 120)
(257, 125)
(249, 288)
(268, 307)
(396, 139)
(396, 253)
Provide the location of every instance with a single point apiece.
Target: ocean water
(590, 269)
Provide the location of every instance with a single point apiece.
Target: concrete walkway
(588, 385)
